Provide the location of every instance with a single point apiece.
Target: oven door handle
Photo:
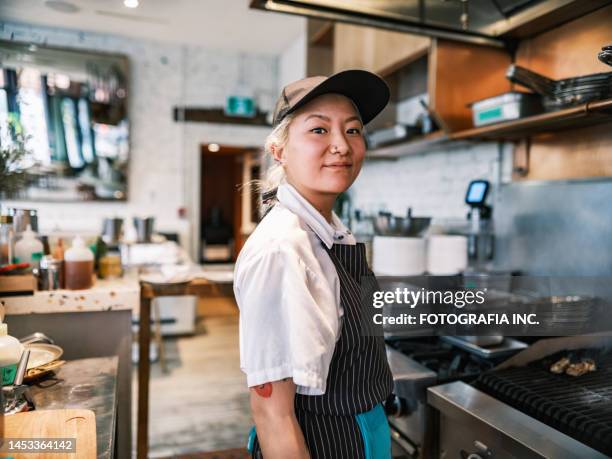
(407, 446)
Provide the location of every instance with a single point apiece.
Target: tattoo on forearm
(265, 390)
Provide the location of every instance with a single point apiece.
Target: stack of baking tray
(557, 94)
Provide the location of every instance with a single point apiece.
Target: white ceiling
(225, 24)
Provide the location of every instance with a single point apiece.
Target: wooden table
(149, 291)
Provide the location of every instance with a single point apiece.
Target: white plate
(41, 354)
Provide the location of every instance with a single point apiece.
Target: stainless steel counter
(91, 335)
(472, 421)
(89, 384)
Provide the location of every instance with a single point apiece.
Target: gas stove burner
(447, 361)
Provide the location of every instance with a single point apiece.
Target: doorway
(228, 210)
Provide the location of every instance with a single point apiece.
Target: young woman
(317, 382)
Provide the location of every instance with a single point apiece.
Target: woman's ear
(277, 153)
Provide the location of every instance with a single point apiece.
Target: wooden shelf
(583, 115)
(217, 115)
(588, 114)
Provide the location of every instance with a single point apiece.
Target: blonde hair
(274, 173)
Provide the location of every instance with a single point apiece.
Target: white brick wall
(433, 184)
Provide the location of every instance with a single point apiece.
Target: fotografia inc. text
(465, 319)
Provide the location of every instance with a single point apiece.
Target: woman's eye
(354, 131)
(319, 130)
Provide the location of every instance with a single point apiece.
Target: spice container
(7, 240)
(78, 266)
(110, 266)
(58, 255)
(50, 273)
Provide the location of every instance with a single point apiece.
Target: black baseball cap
(368, 91)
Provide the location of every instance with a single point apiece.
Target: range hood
(490, 22)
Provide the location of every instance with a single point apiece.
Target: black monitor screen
(477, 192)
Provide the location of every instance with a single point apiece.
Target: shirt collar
(336, 233)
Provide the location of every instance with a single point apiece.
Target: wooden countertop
(105, 295)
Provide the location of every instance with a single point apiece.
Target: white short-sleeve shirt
(288, 293)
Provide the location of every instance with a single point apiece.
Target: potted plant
(12, 156)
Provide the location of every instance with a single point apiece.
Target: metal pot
(111, 230)
(386, 224)
(144, 228)
(22, 218)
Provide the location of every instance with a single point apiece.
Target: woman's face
(325, 148)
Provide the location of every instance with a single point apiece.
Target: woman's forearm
(280, 437)
(278, 431)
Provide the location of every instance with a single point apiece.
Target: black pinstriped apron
(359, 375)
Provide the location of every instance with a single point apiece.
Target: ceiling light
(130, 3)
(213, 147)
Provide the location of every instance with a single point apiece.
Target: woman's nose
(339, 144)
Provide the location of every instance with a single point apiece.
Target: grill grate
(580, 407)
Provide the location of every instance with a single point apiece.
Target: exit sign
(240, 106)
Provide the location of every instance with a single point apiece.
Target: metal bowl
(386, 224)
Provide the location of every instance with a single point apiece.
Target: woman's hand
(278, 431)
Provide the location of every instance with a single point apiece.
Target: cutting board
(48, 424)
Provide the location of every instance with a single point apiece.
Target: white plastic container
(10, 353)
(446, 255)
(398, 256)
(28, 249)
(78, 266)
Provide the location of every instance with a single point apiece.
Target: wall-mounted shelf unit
(583, 115)
(217, 115)
(579, 116)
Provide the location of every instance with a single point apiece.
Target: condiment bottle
(58, 250)
(58, 254)
(78, 266)
(28, 249)
(7, 240)
(10, 353)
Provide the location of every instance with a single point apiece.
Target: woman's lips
(338, 165)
